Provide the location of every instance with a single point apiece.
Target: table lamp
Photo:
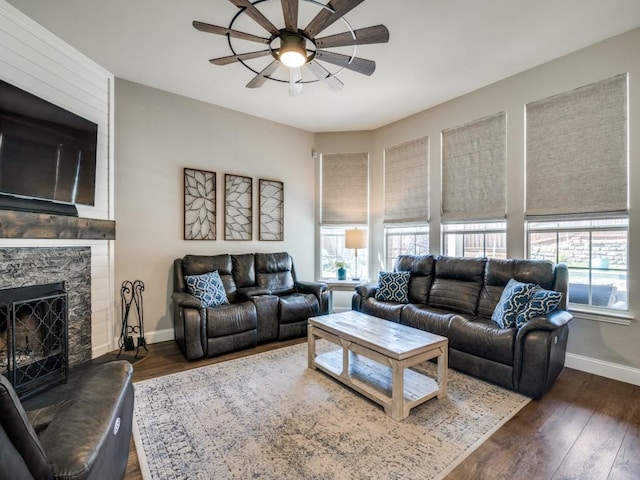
(355, 239)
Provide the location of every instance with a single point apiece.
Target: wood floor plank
(594, 452)
(627, 463)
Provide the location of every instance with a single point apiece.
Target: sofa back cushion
(457, 284)
(199, 264)
(244, 271)
(422, 269)
(498, 272)
(274, 272)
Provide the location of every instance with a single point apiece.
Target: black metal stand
(131, 292)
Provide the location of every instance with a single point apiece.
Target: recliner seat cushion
(297, 307)
(422, 269)
(481, 337)
(499, 271)
(230, 319)
(274, 272)
(458, 283)
(381, 309)
(199, 264)
(244, 271)
(426, 318)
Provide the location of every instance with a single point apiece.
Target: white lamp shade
(355, 238)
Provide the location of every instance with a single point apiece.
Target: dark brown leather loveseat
(266, 302)
(456, 297)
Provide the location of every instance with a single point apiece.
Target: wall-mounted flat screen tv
(46, 152)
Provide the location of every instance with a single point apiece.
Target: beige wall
(157, 135)
(593, 345)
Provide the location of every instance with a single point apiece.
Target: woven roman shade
(345, 188)
(406, 182)
(577, 152)
(474, 170)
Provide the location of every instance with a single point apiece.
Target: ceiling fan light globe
(292, 59)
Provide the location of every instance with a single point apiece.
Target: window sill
(616, 318)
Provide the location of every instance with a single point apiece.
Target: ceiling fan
(300, 50)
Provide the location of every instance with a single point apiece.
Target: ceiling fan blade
(241, 56)
(364, 36)
(259, 79)
(324, 76)
(324, 18)
(360, 65)
(206, 27)
(295, 88)
(256, 15)
(290, 12)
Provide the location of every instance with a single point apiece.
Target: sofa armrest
(551, 322)
(189, 325)
(184, 299)
(367, 290)
(315, 288)
(319, 290)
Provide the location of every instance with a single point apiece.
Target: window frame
(474, 228)
(581, 226)
(347, 256)
(413, 230)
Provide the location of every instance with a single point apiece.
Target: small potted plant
(342, 271)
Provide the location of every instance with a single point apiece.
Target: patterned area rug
(267, 416)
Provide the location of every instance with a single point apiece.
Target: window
(344, 206)
(475, 240)
(333, 249)
(595, 252)
(405, 240)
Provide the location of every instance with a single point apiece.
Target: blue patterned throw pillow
(540, 304)
(208, 287)
(393, 287)
(513, 300)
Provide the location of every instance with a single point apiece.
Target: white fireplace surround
(37, 61)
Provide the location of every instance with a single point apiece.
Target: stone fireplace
(27, 266)
(33, 337)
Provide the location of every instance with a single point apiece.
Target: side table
(334, 285)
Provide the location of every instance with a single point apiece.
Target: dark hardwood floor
(586, 427)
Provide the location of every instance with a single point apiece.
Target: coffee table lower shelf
(375, 380)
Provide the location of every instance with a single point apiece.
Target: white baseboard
(158, 336)
(603, 369)
(99, 350)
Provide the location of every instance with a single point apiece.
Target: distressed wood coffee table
(375, 357)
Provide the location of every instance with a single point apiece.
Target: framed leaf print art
(199, 205)
(238, 219)
(271, 210)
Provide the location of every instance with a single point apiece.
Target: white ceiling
(438, 50)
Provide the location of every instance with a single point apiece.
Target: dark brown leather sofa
(266, 303)
(455, 298)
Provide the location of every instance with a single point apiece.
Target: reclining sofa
(264, 302)
(456, 298)
(86, 436)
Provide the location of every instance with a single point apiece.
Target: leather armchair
(86, 436)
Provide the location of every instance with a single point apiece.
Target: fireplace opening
(34, 337)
